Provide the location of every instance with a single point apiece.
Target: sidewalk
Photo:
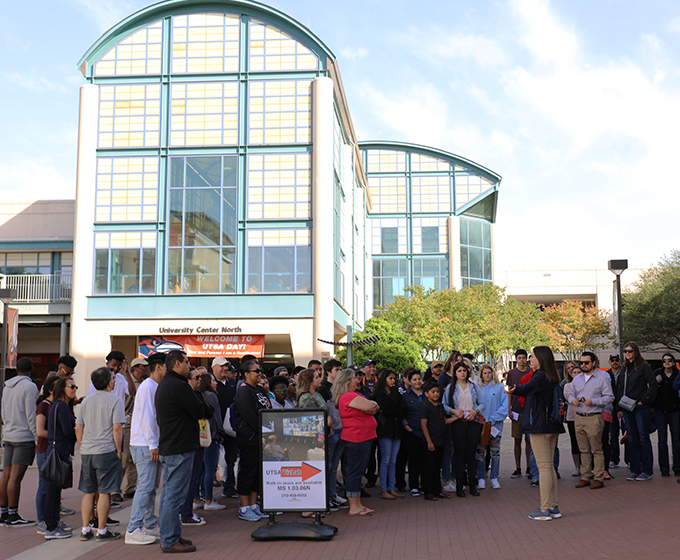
(624, 520)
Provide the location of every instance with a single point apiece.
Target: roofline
(436, 152)
(156, 11)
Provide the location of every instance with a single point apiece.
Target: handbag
(626, 402)
(56, 470)
(204, 436)
(485, 436)
(226, 425)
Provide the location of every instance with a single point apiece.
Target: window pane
(376, 268)
(202, 214)
(303, 282)
(177, 172)
(487, 236)
(377, 297)
(430, 239)
(463, 232)
(125, 271)
(487, 266)
(175, 233)
(230, 164)
(389, 240)
(148, 271)
(101, 271)
(464, 272)
(175, 271)
(203, 171)
(229, 217)
(201, 271)
(278, 269)
(228, 271)
(254, 269)
(475, 263)
(475, 239)
(390, 268)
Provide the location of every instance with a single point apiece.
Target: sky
(575, 104)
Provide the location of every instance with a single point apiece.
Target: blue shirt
(414, 402)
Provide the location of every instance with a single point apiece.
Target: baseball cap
(353, 367)
(614, 355)
(220, 361)
(435, 364)
(369, 362)
(279, 369)
(138, 362)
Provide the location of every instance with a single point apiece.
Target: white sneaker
(340, 499)
(138, 536)
(481, 484)
(495, 484)
(449, 487)
(155, 532)
(577, 472)
(198, 505)
(213, 505)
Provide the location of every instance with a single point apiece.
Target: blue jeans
(194, 483)
(357, 460)
(211, 455)
(142, 514)
(176, 479)
(639, 445)
(664, 421)
(533, 468)
(389, 447)
(494, 448)
(230, 455)
(42, 489)
(335, 449)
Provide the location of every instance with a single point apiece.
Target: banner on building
(294, 474)
(204, 346)
(12, 337)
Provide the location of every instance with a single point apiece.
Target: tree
(395, 350)
(573, 328)
(651, 310)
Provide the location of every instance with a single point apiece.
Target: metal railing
(39, 288)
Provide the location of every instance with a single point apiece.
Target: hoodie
(18, 409)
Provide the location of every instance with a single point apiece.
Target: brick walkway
(625, 520)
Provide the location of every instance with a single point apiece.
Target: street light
(618, 267)
(7, 296)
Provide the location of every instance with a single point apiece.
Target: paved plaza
(625, 520)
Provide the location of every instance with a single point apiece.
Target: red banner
(205, 346)
(12, 337)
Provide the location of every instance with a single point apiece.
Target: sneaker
(194, 520)
(557, 473)
(632, 476)
(540, 515)
(335, 503)
(198, 505)
(139, 537)
(613, 465)
(555, 512)
(256, 509)
(534, 482)
(340, 500)
(94, 522)
(58, 533)
(42, 528)
(481, 484)
(63, 510)
(230, 495)
(644, 476)
(415, 493)
(114, 505)
(248, 515)
(495, 484)
(19, 521)
(449, 487)
(116, 497)
(528, 472)
(213, 506)
(577, 472)
(155, 532)
(108, 536)
(63, 526)
(86, 536)
(332, 506)
(516, 473)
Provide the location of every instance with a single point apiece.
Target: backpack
(556, 410)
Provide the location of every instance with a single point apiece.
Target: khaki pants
(589, 438)
(544, 449)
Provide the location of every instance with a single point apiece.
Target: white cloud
(442, 46)
(352, 53)
(106, 13)
(36, 83)
(27, 181)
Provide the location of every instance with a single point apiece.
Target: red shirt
(44, 409)
(357, 426)
(525, 379)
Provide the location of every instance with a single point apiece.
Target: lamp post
(618, 267)
(6, 296)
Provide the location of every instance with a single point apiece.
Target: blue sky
(576, 104)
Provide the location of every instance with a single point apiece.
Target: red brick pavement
(625, 520)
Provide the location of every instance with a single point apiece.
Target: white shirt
(144, 430)
(120, 389)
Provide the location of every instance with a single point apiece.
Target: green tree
(651, 309)
(573, 328)
(395, 350)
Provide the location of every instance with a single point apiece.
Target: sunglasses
(585, 363)
(628, 351)
(72, 387)
(614, 360)
(668, 360)
(281, 391)
(258, 370)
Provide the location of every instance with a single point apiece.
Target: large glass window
(421, 162)
(204, 114)
(206, 43)
(280, 112)
(389, 240)
(125, 262)
(469, 186)
(203, 223)
(271, 49)
(475, 252)
(429, 235)
(279, 186)
(385, 161)
(127, 189)
(129, 116)
(139, 53)
(389, 235)
(25, 263)
(279, 260)
(430, 194)
(431, 273)
(388, 194)
(389, 279)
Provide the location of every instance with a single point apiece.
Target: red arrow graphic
(305, 470)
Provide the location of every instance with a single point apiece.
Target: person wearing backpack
(538, 410)
(590, 393)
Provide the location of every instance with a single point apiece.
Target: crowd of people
(198, 430)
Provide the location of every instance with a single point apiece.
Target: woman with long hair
(211, 454)
(667, 415)
(495, 405)
(358, 430)
(61, 436)
(569, 374)
(309, 382)
(445, 377)
(637, 381)
(461, 400)
(389, 430)
(539, 395)
(45, 399)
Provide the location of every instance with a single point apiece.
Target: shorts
(100, 473)
(517, 431)
(20, 453)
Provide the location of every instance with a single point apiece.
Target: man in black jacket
(226, 392)
(178, 411)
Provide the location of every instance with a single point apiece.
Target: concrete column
(322, 212)
(88, 354)
(453, 226)
(63, 335)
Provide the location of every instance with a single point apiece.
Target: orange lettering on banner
(227, 346)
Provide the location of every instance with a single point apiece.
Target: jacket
(216, 430)
(538, 392)
(61, 429)
(249, 401)
(474, 392)
(225, 395)
(413, 403)
(392, 412)
(495, 404)
(178, 411)
(667, 396)
(18, 409)
(640, 384)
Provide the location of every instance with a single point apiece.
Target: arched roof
(433, 152)
(171, 7)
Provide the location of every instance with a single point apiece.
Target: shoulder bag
(204, 437)
(626, 402)
(55, 470)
